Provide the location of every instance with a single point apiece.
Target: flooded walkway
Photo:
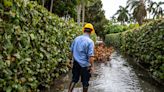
(116, 75)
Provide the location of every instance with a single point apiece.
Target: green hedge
(116, 28)
(145, 44)
(113, 39)
(34, 45)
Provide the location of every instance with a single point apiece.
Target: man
(82, 49)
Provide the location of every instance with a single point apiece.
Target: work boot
(71, 86)
(85, 89)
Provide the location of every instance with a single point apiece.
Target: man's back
(82, 48)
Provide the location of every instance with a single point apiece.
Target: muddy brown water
(116, 75)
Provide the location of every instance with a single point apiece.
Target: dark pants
(78, 71)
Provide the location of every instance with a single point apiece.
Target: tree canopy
(95, 15)
(62, 8)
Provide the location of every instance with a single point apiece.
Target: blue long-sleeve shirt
(82, 48)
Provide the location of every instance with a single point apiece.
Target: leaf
(28, 59)
(7, 3)
(8, 89)
(17, 55)
(56, 75)
(8, 62)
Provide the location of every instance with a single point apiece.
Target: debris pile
(102, 53)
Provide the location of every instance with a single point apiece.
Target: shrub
(113, 39)
(145, 44)
(116, 28)
(34, 45)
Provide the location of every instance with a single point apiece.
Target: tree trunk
(51, 5)
(43, 1)
(147, 15)
(122, 22)
(140, 21)
(79, 14)
(83, 18)
(142, 1)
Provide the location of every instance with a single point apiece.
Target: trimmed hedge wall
(113, 39)
(34, 46)
(145, 44)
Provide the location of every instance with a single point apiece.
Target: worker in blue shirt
(82, 49)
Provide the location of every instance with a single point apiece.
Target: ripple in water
(116, 76)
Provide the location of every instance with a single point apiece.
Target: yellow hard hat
(90, 26)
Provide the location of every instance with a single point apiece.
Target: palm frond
(161, 3)
(132, 4)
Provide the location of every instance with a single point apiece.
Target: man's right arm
(91, 56)
(91, 61)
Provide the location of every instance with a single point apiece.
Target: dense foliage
(34, 45)
(113, 40)
(62, 8)
(116, 28)
(95, 15)
(144, 44)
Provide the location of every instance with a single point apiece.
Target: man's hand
(91, 69)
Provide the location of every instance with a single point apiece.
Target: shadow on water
(117, 75)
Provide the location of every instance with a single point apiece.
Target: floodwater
(116, 75)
